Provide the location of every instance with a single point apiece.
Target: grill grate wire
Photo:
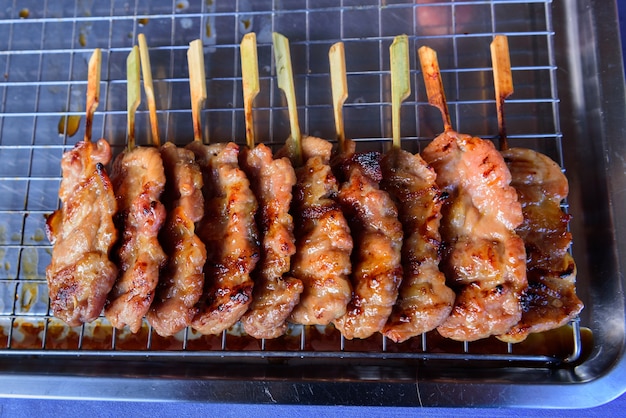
(44, 56)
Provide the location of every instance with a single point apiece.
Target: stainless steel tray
(569, 103)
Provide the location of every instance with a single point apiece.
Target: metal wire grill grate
(43, 58)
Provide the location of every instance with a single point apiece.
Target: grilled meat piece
(377, 234)
(275, 293)
(483, 259)
(82, 232)
(424, 300)
(183, 185)
(323, 241)
(550, 300)
(182, 280)
(230, 235)
(138, 180)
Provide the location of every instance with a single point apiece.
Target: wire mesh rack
(44, 49)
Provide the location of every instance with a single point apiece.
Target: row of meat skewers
(462, 238)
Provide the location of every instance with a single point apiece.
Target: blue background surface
(39, 407)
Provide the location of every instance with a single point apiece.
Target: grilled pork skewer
(424, 300)
(138, 180)
(373, 220)
(377, 234)
(229, 233)
(323, 241)
(275, 293)
(181, 280)
(550, 300)
(82, 232)
(483, 258)
(227, 229)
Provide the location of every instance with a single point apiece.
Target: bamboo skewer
(339, 87)
(133, 94)
(540, 183)
(503, 81)
(93, 91)
(284, 74)
(434, 85)
(197, 86)
(400, 82)
(250, 82)
(146, 71)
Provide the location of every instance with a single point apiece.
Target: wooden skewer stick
(133, 94)
(400, 82)
(250, 82)
(197, 86)
(93, 90)
(284, 74)
(503, 81)
(339, 86)
(146, 71)
(434, 85)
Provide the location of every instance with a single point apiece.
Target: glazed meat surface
(82, 232)
(182, 280)
(275, 293)
(483, 259)
(183, 181)
(424, 300)
(138, 180)
(323, 240)
(377, 234)
(229, 233)
(551, 299)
